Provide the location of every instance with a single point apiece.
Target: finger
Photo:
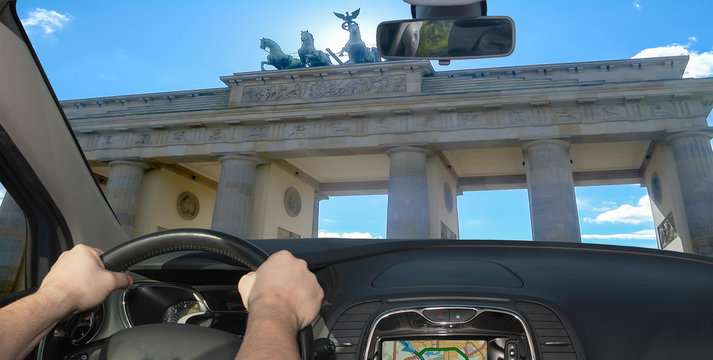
(245, 286)
(99, 251)
(121, 280)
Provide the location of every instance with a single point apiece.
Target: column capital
(409, 148)
(246, 156)
(526, 146)
(136, 163)
(678, 135)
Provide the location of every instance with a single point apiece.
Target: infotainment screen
(432, 349)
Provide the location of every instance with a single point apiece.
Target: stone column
(12, 242)
(553, 206)
(315, 213)
(693, 155)
(122, 191)
(234, 199)
(408, 215)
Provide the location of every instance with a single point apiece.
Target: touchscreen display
(434, 350)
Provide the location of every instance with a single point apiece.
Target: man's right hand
(282, 289)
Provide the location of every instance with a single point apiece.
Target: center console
(449, 333)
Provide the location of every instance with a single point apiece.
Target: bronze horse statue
(356, 48)
(277, 58)
(309, 55)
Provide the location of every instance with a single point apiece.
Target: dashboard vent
(347, 330)
(551, 336)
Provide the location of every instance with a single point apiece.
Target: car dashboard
(448, 300)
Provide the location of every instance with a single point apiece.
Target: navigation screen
(434, 350)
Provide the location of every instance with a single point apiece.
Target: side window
(13, 233)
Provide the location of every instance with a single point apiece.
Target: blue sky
(103, 48)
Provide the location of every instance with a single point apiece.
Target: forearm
(26, 321)
(268, 337)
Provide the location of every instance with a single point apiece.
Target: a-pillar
(235, 196)
(408, 214)
(122, 191)
(693, 156)
(553, 206)
(315, 213)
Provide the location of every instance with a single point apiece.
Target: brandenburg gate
(255, 157)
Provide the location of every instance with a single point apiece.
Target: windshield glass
(186, 122)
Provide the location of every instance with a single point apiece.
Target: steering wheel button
(461, 315)
(437, 315)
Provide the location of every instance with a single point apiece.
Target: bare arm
(283, 297)
(77, 282)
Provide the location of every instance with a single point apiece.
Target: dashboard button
(437, 315)
(461, 315)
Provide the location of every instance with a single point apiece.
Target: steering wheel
(178, 341)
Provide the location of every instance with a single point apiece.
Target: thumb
(245, 286)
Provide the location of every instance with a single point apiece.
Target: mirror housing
(446, 38)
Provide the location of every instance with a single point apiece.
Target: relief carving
(295, 130)
(667, 231)
(380, 125)
(178, 136)
(142, 139)
(269, 93)
(256, 132)
(216, 134)
(471, 120)
(324, 89)
(519, 117)
(661, 110)
(610, 112)
(426, 123)
(564, 115)
(339, 127)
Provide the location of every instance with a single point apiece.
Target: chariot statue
(355, 47)
(277, 58)
(309, 55)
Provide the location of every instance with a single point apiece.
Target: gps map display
(434, 350)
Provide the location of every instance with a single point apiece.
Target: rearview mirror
(446, 39)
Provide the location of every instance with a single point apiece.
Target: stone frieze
(324, 89)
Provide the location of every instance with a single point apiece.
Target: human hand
(284, 289)
(79, 280)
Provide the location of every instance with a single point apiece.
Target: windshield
(186, 122)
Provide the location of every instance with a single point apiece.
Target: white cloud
(626, 214)
(587, 205)
(348, 235)
(637, 235)
(637, 4)
(48, 20)
(700, 64)
(329, 221)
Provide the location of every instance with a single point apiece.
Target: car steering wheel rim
(147, 246)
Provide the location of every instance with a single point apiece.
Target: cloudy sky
(99, 48)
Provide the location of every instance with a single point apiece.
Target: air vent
(551, 337)
(347, 330)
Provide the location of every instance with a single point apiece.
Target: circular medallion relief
(448, 197)
(187, 205)
(293, 202)
(656, 188)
